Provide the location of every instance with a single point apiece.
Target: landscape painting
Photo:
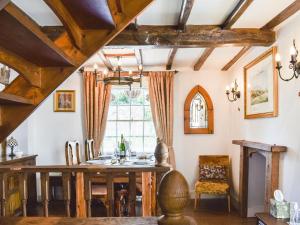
(64, 101)
(261, 87)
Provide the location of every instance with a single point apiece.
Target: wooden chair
(213, 178)
(72, 153)
(89, 149)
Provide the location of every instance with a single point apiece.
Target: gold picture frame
(261, 86)
(64, 101)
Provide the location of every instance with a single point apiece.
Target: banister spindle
(67, 192)
(23, 178)
(45, 192)
(3, 182)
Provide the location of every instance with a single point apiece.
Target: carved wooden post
(23, 191)
(110, 194)
(45, 192)
(153, 194)
(146, 192)
(132, 193)
(88, 193)
(3, 182)
(80, 201)
(67, 191)
(243, 190)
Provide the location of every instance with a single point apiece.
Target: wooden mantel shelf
(6, 98)
(260, 146)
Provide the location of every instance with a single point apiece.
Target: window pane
(137, 112)
(148, 113)
(123, 128)
(112, 113)
(149, 129)
(137, 129)
(109, 145)
(137, 144)
(111, 129)
(146, 97)
(137, 97)
(124, 113)
(122, 98)
(150, 144)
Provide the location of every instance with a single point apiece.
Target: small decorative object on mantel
(173, 197)
(12, 143)
(64, 101)
(235, 93)
(294, 64)
(280, 208)
(161, 153)
(261, 86)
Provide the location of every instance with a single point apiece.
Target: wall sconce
(294, 64)
(235, 94)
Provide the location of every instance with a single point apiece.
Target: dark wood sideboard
(13, 202)
(267, 219)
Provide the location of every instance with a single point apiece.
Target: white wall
(189, 146)
(282, 130)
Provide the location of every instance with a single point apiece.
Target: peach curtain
(161, 99)
(96, 105)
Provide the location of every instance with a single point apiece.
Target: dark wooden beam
(105, 60)
(14, 99)
(186, 8)
(195, 37)
(285, 14)
(237, 12)
(3, 3)
(119, 55)
(171, 58)
(203, 58)
(281, 17)
(236, 58)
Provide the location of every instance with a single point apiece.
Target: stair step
(6, 98)
(21, 35)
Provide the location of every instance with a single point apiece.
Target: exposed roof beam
(105, 60)
(281, 17)
(236, 58)
(186, 8)
(203, 58)
(237, 12)
(171, 58)
(3, 3)
(195, 37)
(285, 14)
(119, 55)
(139, 56)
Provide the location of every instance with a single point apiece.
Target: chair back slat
(72, 152)
(89, 149)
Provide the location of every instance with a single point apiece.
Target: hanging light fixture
(235, 94)
(118, 78)
(294, 64)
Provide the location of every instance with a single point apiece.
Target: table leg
(132, 193)
(110, 194)
(146, 193)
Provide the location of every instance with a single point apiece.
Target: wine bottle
(122, 147)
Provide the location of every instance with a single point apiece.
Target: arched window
(198, 112)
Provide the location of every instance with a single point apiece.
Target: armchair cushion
(209, 172)
(212, 188)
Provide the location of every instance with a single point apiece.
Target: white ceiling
(166, 12)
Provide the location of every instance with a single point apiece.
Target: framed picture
(261, 86)
(64, 101)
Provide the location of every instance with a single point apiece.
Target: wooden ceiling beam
(31, 72)
(125, 55)
(171, 58)
(195, 37)
(3, 3)
(105, 60)
(73, 29)
(139, 56)
(34, 28)
(284, 15)
(186, 9)
(207, 52)
(278, 19)
(236, 13)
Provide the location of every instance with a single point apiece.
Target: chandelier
(120, 76)
(294, 64)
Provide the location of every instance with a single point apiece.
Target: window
(130, 114)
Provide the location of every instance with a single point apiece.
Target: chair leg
(229, 203)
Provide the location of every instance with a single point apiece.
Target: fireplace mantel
(272, 155)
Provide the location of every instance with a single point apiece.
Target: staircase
(43, 60)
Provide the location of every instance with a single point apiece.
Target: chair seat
(213, 188)
(98, 189)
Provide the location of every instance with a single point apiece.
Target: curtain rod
(82, 69)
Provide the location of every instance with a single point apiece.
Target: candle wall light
(233, 90)
(294, 64)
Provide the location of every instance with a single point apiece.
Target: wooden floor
(210, 212)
